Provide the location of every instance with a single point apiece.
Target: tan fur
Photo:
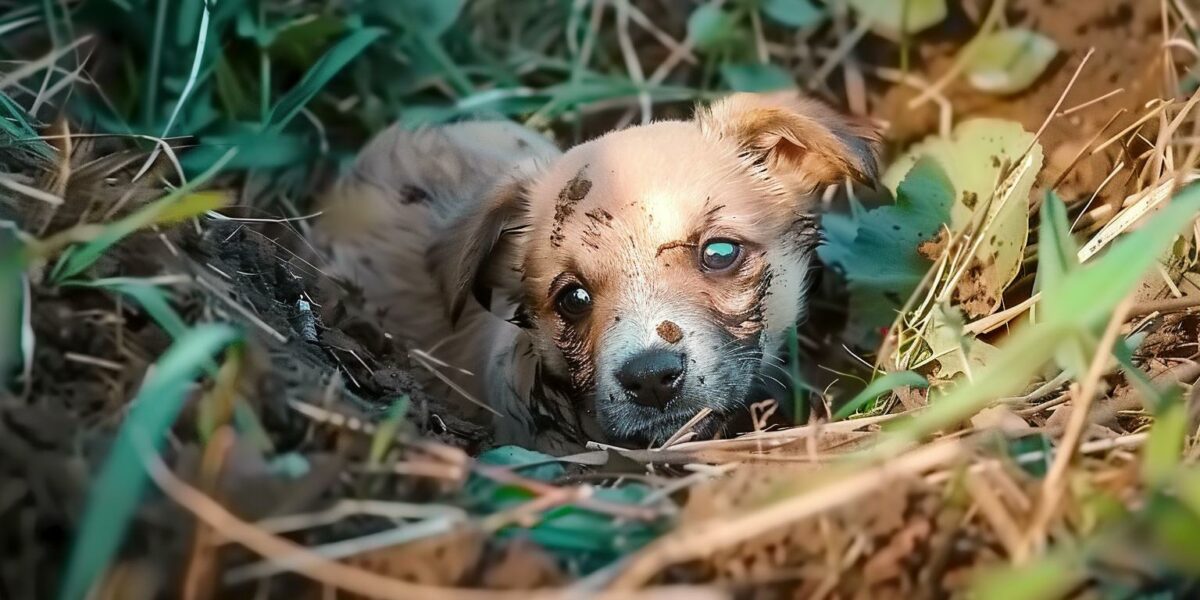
(624, 216)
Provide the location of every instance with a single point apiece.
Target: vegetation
(1006, 331)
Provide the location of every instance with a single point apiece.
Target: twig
(344, 577)
(707, 538)
(1054, 485)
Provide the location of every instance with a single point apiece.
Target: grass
(262, 101)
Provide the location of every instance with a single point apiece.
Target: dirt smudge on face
(572, 194)
(669, 332)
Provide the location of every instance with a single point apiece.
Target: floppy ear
(480, 254)
(800, 141)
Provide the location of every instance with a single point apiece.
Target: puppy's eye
(574, 302)
(719, 255)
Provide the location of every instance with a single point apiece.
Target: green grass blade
(1089, 295)
(880, 386)
(1085, 298)
(151, 298)
(181, 203)
(315, 79)
(16, 333)
(118, 488)
(1057, 252)
(1164, 447)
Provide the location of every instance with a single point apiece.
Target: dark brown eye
(719, 255)
(574, 302)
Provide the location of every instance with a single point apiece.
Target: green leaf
(757, 77)
(878, 288)
(151, 298)
(117, 490)
(1085, 300)
(793, 13)
(16, 331)
(315, 79)
(1096, 288)
(179, 205)
(975, 157)
(1163, 452)
(879, 386)
(431, 16)
(1058, 254)
(299, 41)
(255, 150)
(530, 463)
(1009, 60)
(711, 28)
(896, 18)
(385, 434)
(1033, 444)
(1049, 576)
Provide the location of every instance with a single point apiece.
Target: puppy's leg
(383, 216)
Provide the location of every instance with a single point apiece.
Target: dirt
(308, 343)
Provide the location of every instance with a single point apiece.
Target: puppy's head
(658, 267)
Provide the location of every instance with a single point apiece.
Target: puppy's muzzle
(653, 378)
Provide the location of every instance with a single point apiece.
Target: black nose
(653, 377)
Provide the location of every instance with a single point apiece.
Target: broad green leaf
(896, 18)
(1009, 60)
(879, 386)
(793, 13)
(321, 72)
(978, 153)
(590, 539)
(710, 28)
(117, 490)
(1084, 301)
(16, 331)
(878, 288)
(757, 77)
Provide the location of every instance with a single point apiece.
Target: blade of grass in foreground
(180, 204)
(1083, 300)
(883, 384)
(117, 490)
(16, 334)
(329, 65)
(151, 298)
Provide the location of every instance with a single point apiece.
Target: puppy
(610, 292)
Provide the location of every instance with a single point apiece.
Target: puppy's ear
(480, 253)
(801, 142)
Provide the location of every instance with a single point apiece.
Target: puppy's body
(611, 292)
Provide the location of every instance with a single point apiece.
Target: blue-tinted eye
(719, 255)
(574, 301)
